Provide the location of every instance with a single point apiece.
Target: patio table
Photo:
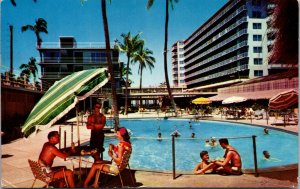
(77, 153)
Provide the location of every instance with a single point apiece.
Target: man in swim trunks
(96, 123)
(47, 155)
(204, 164)
(232, 162)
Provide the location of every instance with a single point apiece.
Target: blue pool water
(151, 154)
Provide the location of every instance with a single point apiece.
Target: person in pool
(115, 152)
(267, 156)
(200, 168)
(159, 136)
(266, 131)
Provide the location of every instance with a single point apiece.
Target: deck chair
(41, 175)
(121, 167)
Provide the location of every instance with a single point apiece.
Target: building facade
(62, 58)
(230, 47)
(178, 71)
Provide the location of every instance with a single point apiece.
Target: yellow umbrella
(201, 100)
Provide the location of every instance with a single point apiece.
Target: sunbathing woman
(115, 152)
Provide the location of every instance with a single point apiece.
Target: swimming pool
(152, 154)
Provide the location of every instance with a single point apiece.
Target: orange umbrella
(283, 100)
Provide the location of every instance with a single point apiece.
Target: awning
(63, 96)
(255, 95)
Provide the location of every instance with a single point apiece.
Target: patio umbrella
(201, 100)
(283, 100)
(62, 97)
(234, 99)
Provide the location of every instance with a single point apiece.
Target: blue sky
(84, 22)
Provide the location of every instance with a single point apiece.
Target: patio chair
(121, 167)
(41, 175)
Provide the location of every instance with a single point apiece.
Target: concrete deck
(17, 174)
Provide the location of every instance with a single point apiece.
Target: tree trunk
(126, 85)
(165, 59)
(141, 101)
(110, 67)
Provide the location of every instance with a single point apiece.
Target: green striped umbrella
(62, 97)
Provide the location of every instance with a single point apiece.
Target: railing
(76, 45)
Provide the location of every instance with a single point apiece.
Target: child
(205, 163)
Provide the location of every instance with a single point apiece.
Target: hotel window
(181, 75)
(257, 37)
(258, 73)
(181, 56)
(181, 62)
(257, 49)
(181, 49)
(256, 14)
(181, 68)
(258, 61)
(95, 56)
(256, 26)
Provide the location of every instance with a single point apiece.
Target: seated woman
(115, 152)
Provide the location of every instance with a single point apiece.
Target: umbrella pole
(77, 122)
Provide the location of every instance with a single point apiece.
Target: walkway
(16, 172)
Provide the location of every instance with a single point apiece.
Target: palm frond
(27, 27)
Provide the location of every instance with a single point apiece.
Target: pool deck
(17, 174)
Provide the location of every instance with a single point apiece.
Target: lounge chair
(39, 174)
(121, 167)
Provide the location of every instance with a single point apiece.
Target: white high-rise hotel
(230, 47)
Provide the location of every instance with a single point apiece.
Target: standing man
(47, 155)
(96, 122)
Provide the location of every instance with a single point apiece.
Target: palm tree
(145, 59)
(40, 26)
(30, 69)
(129, 46)
(123, 70)
(149, 5)
(109, 65)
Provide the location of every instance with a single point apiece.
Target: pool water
(151, 154)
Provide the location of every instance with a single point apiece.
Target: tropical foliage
(145, 59)
(123, 75)
(29, 69)
(129, 46)
(39, 27)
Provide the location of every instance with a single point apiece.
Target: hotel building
(178, 64)
(62, 58)
(230, 47)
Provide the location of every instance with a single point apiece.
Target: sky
(84, 23)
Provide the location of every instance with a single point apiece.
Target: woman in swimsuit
(115, 152)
